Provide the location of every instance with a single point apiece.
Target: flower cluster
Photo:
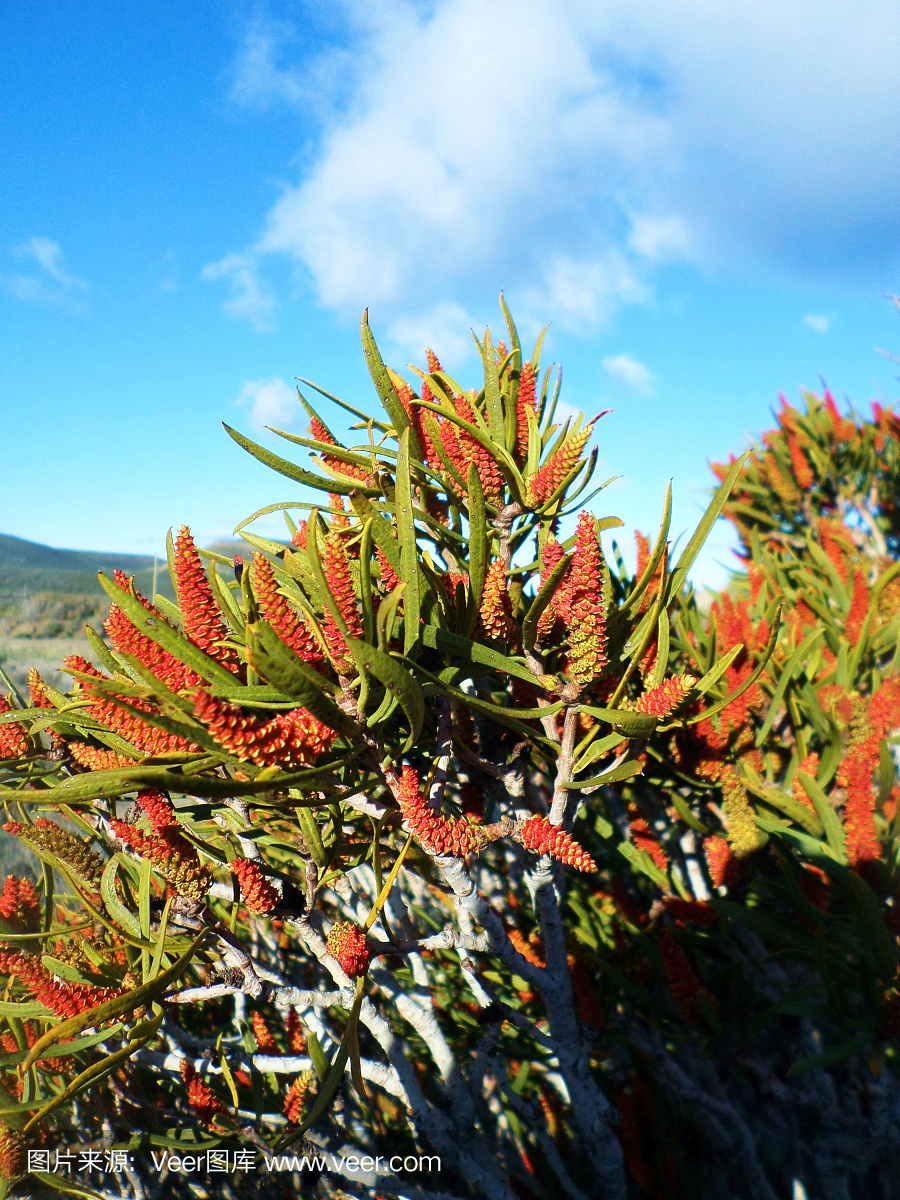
(662, 700)
(496, 609)
(19, 904)
(203, 622)
(548, 478)
(256, 891)
(13, 736)
(61, 997)
(127, 639)
(45, 835)
(296, 1097)
(207, 1106)
(348, 944)
(172, 855)
(287, 740)
(540, 837)
(290, 627)
(441, 835)
(336, 566)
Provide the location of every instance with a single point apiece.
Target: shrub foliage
(436, 831)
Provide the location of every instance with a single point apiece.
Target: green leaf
(317, 1055)
(716, 672)
(642, 861)
(877, 938)
(473, 652)
(114, 906)
(634, 598)
(398, 682)
(406, 533)
(496, 421)
(834, 831)
(69, 1187)
(280, 666)
(387, 393)
(284, 467)
(829, 1058)
(161, 632)
(631, 724)
(748, 683)
(625, 770)
(382, 531)
(478, 546)
(787, 674)
(783, 802)
(701, 533)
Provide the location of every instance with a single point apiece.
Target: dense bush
(437, 833)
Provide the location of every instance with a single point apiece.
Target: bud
(46, 835)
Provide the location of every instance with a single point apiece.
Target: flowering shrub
(436, 831)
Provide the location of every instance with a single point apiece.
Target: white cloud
(820, 322)
(252, 299)
(271, 402)
(563, 148)
(54, 286)
(631, 372)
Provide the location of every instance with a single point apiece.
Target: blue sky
(198, 201)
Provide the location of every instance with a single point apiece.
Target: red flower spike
(264, 1039)
(389, 578)
(61, 997)
(580, 602)
(496, 609)
(203, 622)
(319, 433)
(348, 944)
(525, 401)
(256, 891)
(129, 640)
(288, 740)
(859, 607)
(801, 468)
(290, 627)
(172, 855)
(439, 834)
(470, 450)
(540, 837)
(544, 482)
(643, 838)
(684, 985)
(724, 868)
(19, 904)
(158, 809)
(697, 912)
(145, 737)
(552, 555)
(13, 736)
(202, 1099)
(294, 1032)
(336, 567)
(666, 696)
(37, 690)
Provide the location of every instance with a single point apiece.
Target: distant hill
(28, 567)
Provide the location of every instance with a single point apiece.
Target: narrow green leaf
(478, 546)
(748, 683)
(496, 421)
(635, 596)
(114, 905)
(785, 678)
(474, 652)
(831, 1057)
(279, 665)
(834, 831)
(398, 682)
(406, 533)
(701, 533)
(284, 467)
(625, 770)
(383, 385)
(642, 861)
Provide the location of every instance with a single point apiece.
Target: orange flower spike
(684, 985)
(389, 577)
(12, 1152)
(291, 628)
(37, 690)
(525, 400)
(13, 736)
(336, 567)
(859, 607)
(550, 559)
(95, 759)
(296, 1096)
(584, 615)
(540, 837)
(128, 726)
(19, 904)
(294, 1032)
(802, 470)
(264, 1039)
(127, 639)
(256, 891)
(347, 943)
(544, 482)
(435, 832)
(662, 700)
(724, 868)
(472, 451)
(203, 622)
(496, 609)
(644, 839)
(288, 740)
(158, 810)
(202, 1099)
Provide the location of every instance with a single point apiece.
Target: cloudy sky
(199, 200)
